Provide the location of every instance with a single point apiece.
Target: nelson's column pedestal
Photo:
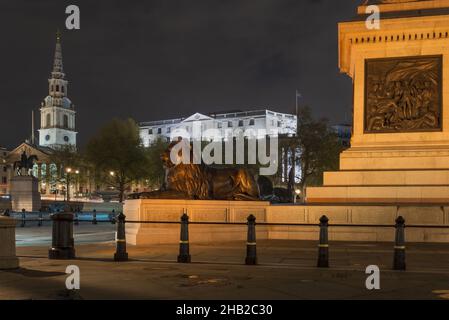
(400, 145)
(399, 151)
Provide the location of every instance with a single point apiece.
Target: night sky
(161, 59)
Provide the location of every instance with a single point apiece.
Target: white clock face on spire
(57, 110)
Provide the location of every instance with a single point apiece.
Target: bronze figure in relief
(403, 94)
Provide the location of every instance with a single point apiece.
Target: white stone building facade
(218, 126)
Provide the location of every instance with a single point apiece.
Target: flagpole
(296, 102)
(298, 95)
(32, 127)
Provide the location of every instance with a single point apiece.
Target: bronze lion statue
(202, 182)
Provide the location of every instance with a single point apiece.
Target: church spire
(58, 72)
(57, 111)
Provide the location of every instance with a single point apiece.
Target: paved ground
(286, 271)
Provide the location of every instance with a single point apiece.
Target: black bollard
(184, 254)
(23, 218)
(399, 246)
(94, 217)
(112, 216)
(323, 246)
(251, 252)
(39, 223)
(76, 217)
(120, 251)
(63, 246)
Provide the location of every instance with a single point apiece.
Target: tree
(66, 156)
(316, 147)
(156, 172)
(118, 155)
(66, 161)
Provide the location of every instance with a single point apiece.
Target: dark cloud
(168, 58)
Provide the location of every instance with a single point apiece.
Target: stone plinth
(8, 259)
(25, 194)
(197, 210)
(225, 211)
(430, 215)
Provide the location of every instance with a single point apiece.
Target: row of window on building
(229, 124)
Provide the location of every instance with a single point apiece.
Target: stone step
(387, 178)
(378, 194)
(405, 158)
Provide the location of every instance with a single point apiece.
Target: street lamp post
(68, 172)
(296, 195)
(77, 172)
(112, 174)
(67, 189)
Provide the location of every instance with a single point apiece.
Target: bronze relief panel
(403, 94)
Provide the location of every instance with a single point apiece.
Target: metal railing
(24, 217)
(251, 245)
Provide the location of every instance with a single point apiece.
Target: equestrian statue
(25, 164)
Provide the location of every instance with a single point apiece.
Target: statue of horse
(25, 162)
